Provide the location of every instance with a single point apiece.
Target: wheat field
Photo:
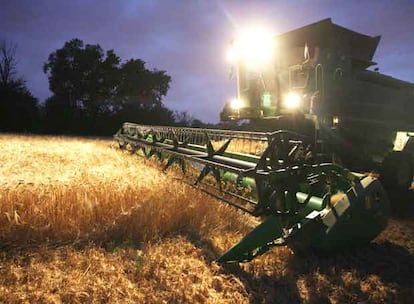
(83, 222)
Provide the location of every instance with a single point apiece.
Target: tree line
(93, 92)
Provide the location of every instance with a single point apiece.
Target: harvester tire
(397, 171)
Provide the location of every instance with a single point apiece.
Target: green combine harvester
(319, 110)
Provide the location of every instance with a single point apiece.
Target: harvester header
(306, 204)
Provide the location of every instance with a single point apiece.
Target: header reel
(306, 204)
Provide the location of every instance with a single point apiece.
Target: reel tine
(158, 154)
(169, 163)
(217, 176)
(146, 151)
(186, 141)
(210, 148)
(183, 166)
(175, 140)
(206, 170)
(179, 161)
(122, 145)
(223, 148)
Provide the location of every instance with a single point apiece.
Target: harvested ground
(82, 222)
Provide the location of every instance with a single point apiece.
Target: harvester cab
(302, 71)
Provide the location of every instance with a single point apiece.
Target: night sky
(189, 39)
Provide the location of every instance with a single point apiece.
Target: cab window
(298, 78)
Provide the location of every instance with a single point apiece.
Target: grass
(81, 221)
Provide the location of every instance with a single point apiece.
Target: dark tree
(92, 90)
(82, 77)
(18, 107)
(183, 118)
(8, 64)
(141, 86)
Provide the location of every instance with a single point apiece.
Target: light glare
(254, 48)
(232, 55)
(292, 101)
(236, 104)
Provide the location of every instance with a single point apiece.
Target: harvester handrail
(262, 136)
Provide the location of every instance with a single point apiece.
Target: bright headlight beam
(233, 55)
(292, 101)
(236, 104)
(254, 48)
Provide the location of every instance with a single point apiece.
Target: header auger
(305, 203)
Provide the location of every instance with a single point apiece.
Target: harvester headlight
(236, 104)
(254, 48)
(292, 101)
(233, 54)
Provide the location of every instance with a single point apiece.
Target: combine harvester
(317, 94)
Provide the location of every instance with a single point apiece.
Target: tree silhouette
(93, 90)
(82, 77)
(18, 107)
(139, 85)
(8, 64)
